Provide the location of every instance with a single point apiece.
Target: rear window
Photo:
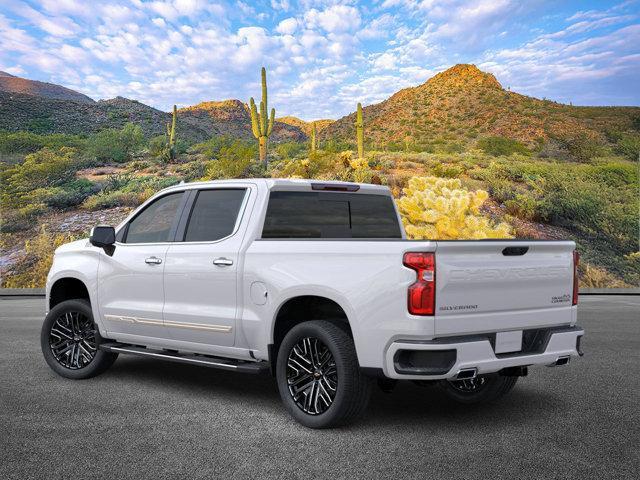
(330, 215)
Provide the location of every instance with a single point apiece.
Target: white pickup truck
(316, 283)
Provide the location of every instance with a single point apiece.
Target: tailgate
(484, 286)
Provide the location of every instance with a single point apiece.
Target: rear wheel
(481, 389)
(69, 341)
(319, 377)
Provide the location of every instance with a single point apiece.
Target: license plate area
(508, 342)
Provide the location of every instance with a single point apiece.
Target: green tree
(116, 145)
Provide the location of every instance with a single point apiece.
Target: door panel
(130, 281)
(201, 273)
(130, 290)
(200, 300)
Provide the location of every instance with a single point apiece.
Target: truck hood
(77, 246)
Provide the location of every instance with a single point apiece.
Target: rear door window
(330, 215)
(214, 214)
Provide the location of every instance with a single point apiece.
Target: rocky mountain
(16, 85)
(19, 111)
(463, 103)
(305, 126)
(232, 118)
(47, 108)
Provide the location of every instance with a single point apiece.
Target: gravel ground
(152, 419)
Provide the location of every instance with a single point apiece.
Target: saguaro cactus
(314, 138)
(260, 124)
(360, 132)
(171, 135)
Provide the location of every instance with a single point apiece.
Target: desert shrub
(192, 170)
(437, 208)
(39, 256)
(28, 142)
(452, 147)
(68, 195)
(213, 147)
(23, 218)
(599, 201)
(629, 146)
(116, 182)
(116, 145)
(498, 146)
(139, 165)
(582, 146)
(447, 171)
(45, 168)
(522, 206)
(231, 162)
(358, 171)
(40, 125)
(115, 199)
(319, 164)
(158, 145)
(613, 174)
(257, 170)
(594, 277)
(289, 150)
(554, 149)
(336, 146)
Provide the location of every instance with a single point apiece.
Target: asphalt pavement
(153, 419)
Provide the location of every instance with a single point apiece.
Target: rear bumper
(443, 358)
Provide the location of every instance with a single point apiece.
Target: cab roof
(293, 184)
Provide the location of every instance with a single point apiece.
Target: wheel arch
(302, 308)
(67, 288)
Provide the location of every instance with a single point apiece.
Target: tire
(482, 389)
(69, 341)
(320, 357)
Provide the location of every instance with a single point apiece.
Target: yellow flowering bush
(37, 262)
(441, 209)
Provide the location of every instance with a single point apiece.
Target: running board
(191, 359)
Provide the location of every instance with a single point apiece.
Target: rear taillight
(422, 294)
(576, 260)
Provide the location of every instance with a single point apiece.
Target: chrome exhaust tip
(562, 360)
(467, 374)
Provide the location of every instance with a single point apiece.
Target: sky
(322, 57)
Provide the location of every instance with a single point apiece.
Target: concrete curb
(39, 292)
(22, 292)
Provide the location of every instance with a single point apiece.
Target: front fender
(79, 264)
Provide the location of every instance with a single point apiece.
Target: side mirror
(103, 236)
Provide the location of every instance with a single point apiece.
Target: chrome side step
(191, 359)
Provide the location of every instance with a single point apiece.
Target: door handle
(223, 262)
(153, 261)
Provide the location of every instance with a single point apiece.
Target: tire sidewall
(99, 362)
(337, 408)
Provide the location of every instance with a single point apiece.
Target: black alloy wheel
(312, 376)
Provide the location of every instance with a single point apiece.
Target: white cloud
(280, 5)
(15, 70)
(287, 26)
(386, 61)
(335, 19)
(159, 22)
(378, 27)
(56, 26)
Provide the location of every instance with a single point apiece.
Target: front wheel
(481, 389)
(319, 377)
(69, 341)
